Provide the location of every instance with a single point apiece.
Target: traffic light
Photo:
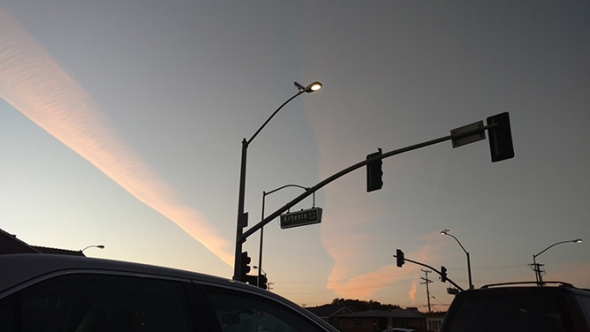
(245, 266)
(374, 172)
(263, 282)
(500, 137)
(400, 259)
(443, 274)
(252, 280)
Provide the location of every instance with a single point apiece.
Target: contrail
(363, 286)
(33, 83)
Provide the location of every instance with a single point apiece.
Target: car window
(240, 312)
(96, 303)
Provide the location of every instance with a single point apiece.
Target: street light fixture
(99, 246)
(315, 86)
(446, 232)
(243, 216)
(537, 267)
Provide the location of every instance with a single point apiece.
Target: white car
(51, 293)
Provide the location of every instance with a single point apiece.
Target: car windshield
(518, 312)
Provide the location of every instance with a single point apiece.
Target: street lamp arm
(537, 267)
(285, 186)
(446, 232)
(264, 193)
(451, 235)
(273, 114)
(99, 246)
(553, 245)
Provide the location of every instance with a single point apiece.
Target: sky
(121, 124)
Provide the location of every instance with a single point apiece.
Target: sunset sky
(121, 124)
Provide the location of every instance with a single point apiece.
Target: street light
(99, 246)
(264, 194)
(446, 232)
(242, 216)
(536, 267)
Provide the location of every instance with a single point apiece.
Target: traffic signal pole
(242, 215)
(433, 269)
(500, 147)
(358, 165)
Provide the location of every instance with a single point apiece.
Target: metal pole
(433, 269)
(338, 175)
(446, 232)
(536, 266)
(241, 216)
(469, 270)
(264, 194)
(354, 167)
(261, 238)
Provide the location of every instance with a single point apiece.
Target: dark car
(551, 307)
(398, 329)
(51, 293)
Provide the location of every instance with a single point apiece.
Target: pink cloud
(34, 84)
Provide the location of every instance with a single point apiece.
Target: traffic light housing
(263, 282)
(400, 258)
(374, 172)
(443, 274)
(500, 139)
(252, 280)
(245, 264)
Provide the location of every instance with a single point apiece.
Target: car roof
(18, 270)
(525, 287)
(21, 268)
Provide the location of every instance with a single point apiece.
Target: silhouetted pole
(264, 194)
(242, 216)
(446, 232)
(536, 266)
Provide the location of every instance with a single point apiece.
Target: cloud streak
(347, 246)
(33, 83)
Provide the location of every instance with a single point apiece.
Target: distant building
(434, 321)
(379, 320)
(329, 312)
(10, 244)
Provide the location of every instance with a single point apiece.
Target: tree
(364, 305)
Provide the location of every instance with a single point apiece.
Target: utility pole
(538, 268)
(427, 281)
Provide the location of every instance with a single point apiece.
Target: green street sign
(301, 218)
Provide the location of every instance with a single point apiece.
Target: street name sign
(301, 218)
